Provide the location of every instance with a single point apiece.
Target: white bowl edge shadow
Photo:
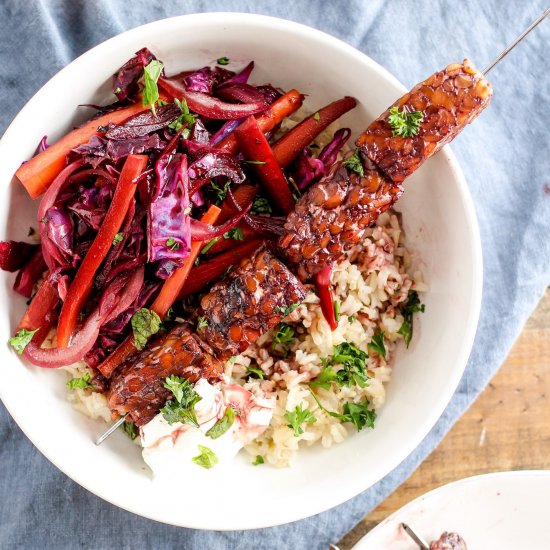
(121, 479)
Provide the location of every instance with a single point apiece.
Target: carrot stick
(281, 108)
(82, 284)
(37, 174)
(256, 150)
(288, 147)
(163, 302)
(212, 269)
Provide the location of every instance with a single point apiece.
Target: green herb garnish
(221, 192)
(317, 117)
(207, 459)
(337, 310)
(172, 244)
(260, 162)
(21, 339)
(145, 323)
(118, 238)
(282, 339)
(258, 460)
(251, 369)
(235, 233)
(261, 206)
(297, 417)
(377, 344)
(413, 305)
(223, 60)
(352, 319)
(223, 424)
(405, 123)
(130, 429)
(286, 310)
(354, 163)
(150, 92)
(185, 119)
(182, 407)
(353, 372)
(83, 383)
(202, 322)
(209, 245)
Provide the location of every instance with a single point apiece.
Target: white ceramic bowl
(441, 227)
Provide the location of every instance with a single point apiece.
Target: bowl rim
(474, 241)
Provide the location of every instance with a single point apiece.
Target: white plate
(441, 226)
(501, 511)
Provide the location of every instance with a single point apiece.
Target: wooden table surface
(507, 427)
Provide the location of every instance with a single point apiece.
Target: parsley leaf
(255, 370)
(377, 344)
(172, 244)
(354, 163)
(183, 408)
(353, 361)
(261, 206)
(413, 305)
(130, 429)
(118, 238)
(298, 417)
(223, 424)
(185, 119)
(145, 323)
(327, 376)
(221, 192)
(317, 117)
(21, 339)
(223, 60)
(282, 339)
(202, 322)
(258, 460)
(235, 233)
(83, 383)
(207, 459)
(405, 123)
(150, 93)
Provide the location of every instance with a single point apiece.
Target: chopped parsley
(405, 123)
(202, 322)
(185, 119)
(232, 360)
(182, 407)
(359, 414)
(118, 238)
(21, 339)
(221, 192)
(413, 305)
(286, 310)
(207, 458)
(150, 92)
(353, 371)
(297, 417)
(317, 117)
(145, 323)
(352, 319)
(83, 383)
(282, 339)
(258, 460)
(377, 344)
(223, 424)
(172, 244)
(354, 163)
(223, 60)
(328, 375)
(236, 233)
(251, 369)
(130, 429)
(261, 206)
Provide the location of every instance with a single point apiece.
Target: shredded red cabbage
(125, 80)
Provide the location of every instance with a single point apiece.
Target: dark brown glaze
(332, 217)
(448, 541)
(250, 301)
(137, 387)
(449, 99)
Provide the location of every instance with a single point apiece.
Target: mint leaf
(207, 459)
(21, 339)
(150, 92)
(145, 323)
(83, 383)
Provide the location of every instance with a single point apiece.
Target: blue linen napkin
(505, 158)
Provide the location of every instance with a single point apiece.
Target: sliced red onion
(204, 232)
(244, 93)
(225, 130)
(243, 76)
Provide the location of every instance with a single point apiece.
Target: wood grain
(507, 427)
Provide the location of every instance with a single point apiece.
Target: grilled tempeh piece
(332, 216)
(449, 99)
(137, 387)
(251, 300)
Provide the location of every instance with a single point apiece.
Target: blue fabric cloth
(505, 158)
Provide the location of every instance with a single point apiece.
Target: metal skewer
(105, 435)
(421, 543)
(504, 53)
